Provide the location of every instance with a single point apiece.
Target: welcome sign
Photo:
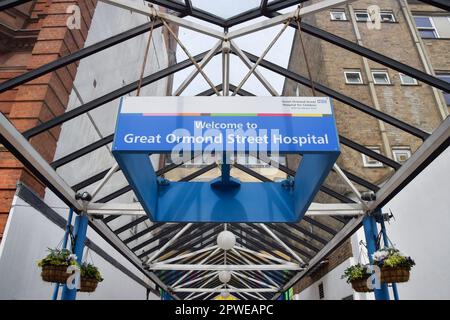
(278, 124)
(214, 125)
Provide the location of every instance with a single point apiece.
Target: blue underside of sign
(248, 202)
(138, 136)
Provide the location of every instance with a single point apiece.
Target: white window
(387, 16)
(362, 16)
(401, 154)
(353, 77)
(369, 162)
(338, 15)
(426, 27)
(407, 80)
(380, 77)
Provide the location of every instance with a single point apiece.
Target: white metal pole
(168, 243)
(200, 263)
(249, 65)
(260, 272)
(284, 245)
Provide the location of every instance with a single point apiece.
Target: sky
(254, 43)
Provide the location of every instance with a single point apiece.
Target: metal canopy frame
(183, 259)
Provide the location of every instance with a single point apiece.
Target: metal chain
(298, 19)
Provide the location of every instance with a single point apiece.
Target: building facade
(37, 33)
(410, 32)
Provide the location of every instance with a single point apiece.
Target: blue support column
(386, 244)
(64, 246)
(81, 224)
(371, 233)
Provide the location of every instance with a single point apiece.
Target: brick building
(31, 35)
(408, 31)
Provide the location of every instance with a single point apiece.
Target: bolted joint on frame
(226, 46)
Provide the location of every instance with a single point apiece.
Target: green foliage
(356, 272)
(392, 258)
(57, 257)
(88, 270)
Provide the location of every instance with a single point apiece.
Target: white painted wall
(334, 287)
(29, 233)
(421, 229)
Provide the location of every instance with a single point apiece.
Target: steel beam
(370, 54)
(219, 267)
(340, 97)
(78, 55)
(6, 4)
(110, 97)
(427, 152)
(14, 141)
(195, 12)
(443, 4)
(155, 13)
(278, 19)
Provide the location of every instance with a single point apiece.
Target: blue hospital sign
(281, 124)
(213, 127)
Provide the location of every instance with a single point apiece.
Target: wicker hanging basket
(57, 274)
(88, 284)
(360, 285)
(394, 275)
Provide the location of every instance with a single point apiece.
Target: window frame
(446, 95)
(396, 150)
(366, 159)
(362, 12)
(402, 75)
(338, 11)
(385, 72)
(353, 71)
(432, 28)
(387, 13)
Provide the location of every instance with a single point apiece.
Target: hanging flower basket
(394, 275)
(357, 276)
(90, 277)
(395, 267)
(57, 274)
(88, 284)
(54, 265)
(360, 285)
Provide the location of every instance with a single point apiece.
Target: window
(372, 163)
(407, 80)
(321, 292)
(426, 27)
(338, 15)
(380, 77)
(401, 154)
(445, 77)
(361, 16)
(387, 16)
(353, 77)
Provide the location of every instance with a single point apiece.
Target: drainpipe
(373, 93)
(425, 59)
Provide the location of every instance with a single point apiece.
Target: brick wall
(342, 253)
(412, 104)
(43, 98)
